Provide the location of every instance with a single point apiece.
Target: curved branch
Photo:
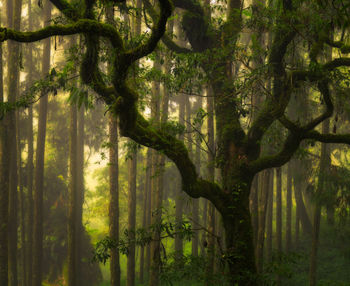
(143, 133)
(158, 31)
(312, 76)
(165, 39)
(290, 146)
(324, 89)
(297, 134)
(80, 26)
(328, 138)
(171, 45)
(344, 48)
(294, 127)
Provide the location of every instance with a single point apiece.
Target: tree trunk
(269, 219)
(263, 199)
(30, 164)
(156, 183)
(114, 199)
(325, 162)
(239, 238)
(302, 212)
(179, 199)
(211, 177)
(39, 167)
(289, 208)
(148, 208)
(279, 215)
(195, 211)
(144, 226)
(80, 191)
(113, 184)
(14, 20)
(132, 163)
(4, 185)
(73, 200)
(22, 206)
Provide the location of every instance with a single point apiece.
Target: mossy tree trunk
(113, 212)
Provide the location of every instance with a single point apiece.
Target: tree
(239, 156)
(4, 186)
(37, 267)
(14, 9)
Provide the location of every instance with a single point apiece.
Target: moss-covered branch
(80, 26)
(344, 48)
(157, 32)
(290, 146)
(274, 107)
(297, 134)
(171, 45)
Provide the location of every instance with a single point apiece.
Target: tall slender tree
(289, 208)
(132, 164)
(4, 184)
(113, 183)
(30, 162)
(325, 161)
(156, 184)
(211, 177)
(279, 215)
(14, 20)
(73, 199)
(39, 165)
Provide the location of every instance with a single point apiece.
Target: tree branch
(157, 32)
(80, 26)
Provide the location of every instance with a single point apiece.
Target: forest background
(73, 190)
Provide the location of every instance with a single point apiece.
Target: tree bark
(263, 200)
(211, 178)
(114, 199)
(269, 219)
(14, 20)
(156, 184)
(289, 208)
(22, 206)
(148, 210)
(80, 189)
(113, 184)
(179, 199)
(324, 167)
(39, 167)
(279, 215)
(132, 163)
(298, 184)
(73, 200)
(4, 185)
(30, 163)
(195, 211)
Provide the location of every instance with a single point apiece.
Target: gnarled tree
(239, 155)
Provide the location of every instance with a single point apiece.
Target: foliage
(141, 237)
